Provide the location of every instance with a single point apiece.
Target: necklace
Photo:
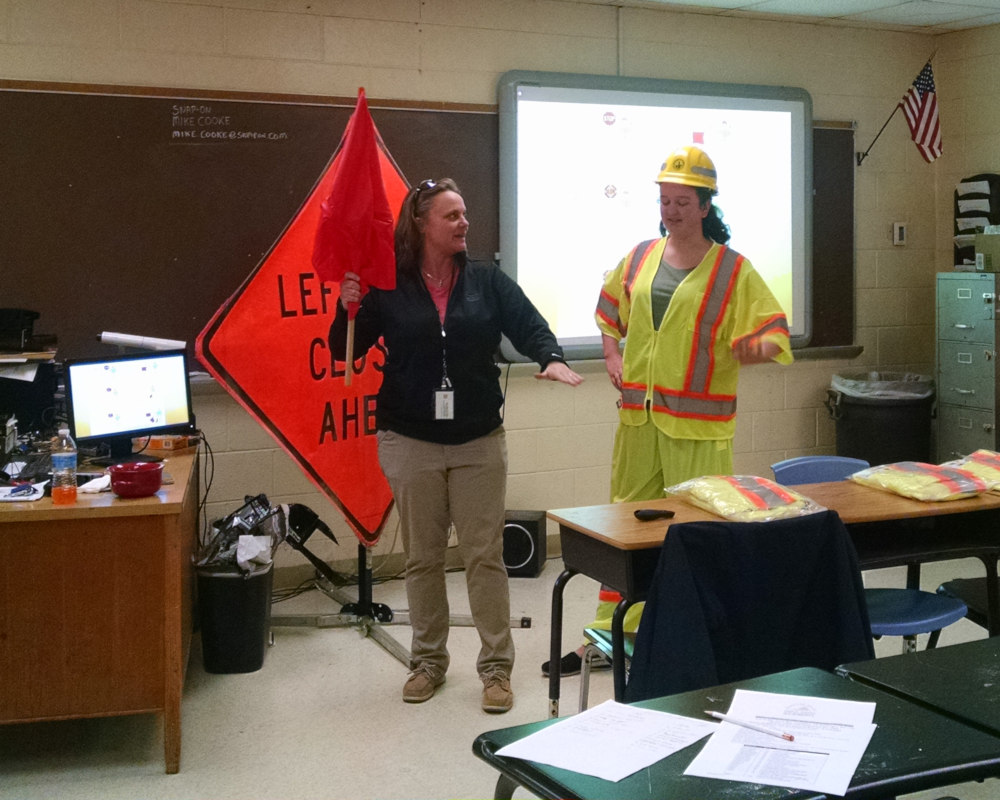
(439, 281)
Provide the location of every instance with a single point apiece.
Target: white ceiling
(914, 16)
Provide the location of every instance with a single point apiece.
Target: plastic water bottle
(63, 469)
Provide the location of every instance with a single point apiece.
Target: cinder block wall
(559, 444)
(454, 51)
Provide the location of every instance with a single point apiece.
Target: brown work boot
(497, 695)
(420, 686)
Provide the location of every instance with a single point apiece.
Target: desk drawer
(965, 308)
(966, 374)
(964, 430)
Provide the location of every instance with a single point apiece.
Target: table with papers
(848, 739)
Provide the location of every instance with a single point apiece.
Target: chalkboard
(141, 214)
(142, 211)
(833, 237)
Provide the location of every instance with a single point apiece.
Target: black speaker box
(524, 543)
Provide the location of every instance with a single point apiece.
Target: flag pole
(349, 351)
(864, 155)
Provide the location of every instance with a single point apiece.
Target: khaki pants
(435, 485)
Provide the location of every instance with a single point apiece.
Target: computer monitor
(109, 401)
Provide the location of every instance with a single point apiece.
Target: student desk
(608, 544)
(95, 605)
(913, 749)
(961, 681)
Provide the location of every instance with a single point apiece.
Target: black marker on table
(647, 514)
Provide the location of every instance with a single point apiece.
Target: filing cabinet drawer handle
(956, 390)
(962, 326)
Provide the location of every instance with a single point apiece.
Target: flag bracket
(864, 155)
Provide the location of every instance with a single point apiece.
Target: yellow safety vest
(685, 372)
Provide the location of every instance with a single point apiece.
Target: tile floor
(323, 718)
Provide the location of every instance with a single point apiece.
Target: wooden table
(913, 749)
(961, 681)
(608, 544)
(95, 605)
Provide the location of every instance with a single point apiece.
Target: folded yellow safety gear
(922, 481)
(744, 498)
(983, 464)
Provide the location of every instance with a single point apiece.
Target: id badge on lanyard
(444, 397)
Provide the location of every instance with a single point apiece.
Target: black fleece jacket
(484, 303)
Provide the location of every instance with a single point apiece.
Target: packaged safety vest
(744, 498)
(922, 481)
(983, 464)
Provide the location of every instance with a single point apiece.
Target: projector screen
(579, 155)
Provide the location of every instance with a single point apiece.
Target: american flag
(919, 105)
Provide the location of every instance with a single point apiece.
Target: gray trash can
(882, 417)
(234, 611)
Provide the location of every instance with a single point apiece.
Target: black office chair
(735, 600)
(892, 612)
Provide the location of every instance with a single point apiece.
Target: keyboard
(35, 467)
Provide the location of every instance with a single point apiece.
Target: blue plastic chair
(597, 650)
(892, 612)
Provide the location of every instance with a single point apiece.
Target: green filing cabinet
(967, 414)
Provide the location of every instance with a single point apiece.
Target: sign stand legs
(363, 614)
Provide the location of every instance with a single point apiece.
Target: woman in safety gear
(691, 311)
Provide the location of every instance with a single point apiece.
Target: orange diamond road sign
(267, 345)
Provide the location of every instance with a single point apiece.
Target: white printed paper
(968, 223)
(610, 741)
(978, 204)
(973, 187)
(831, 736)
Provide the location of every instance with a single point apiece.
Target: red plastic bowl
(136, 478)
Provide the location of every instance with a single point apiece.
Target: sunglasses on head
(425, 186)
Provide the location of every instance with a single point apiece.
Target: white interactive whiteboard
(579, 155)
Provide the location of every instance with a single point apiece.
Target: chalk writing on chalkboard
(206, 123)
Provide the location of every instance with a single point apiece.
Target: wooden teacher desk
(607, 543)
(95, 605)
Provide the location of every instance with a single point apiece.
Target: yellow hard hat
(689, 166)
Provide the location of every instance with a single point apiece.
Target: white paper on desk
(610, 741)
(37, 493)
(831, 736)
(14, 368)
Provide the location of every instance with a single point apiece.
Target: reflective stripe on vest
(760, 492)
(607, 306)
(632, 272)
(778, 323)
(713, 305)
(717, 408)
(607, 310)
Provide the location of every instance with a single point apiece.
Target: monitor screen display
(578, 158)
(111, 400)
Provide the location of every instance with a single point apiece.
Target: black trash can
(234, 610)
(882, 417)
